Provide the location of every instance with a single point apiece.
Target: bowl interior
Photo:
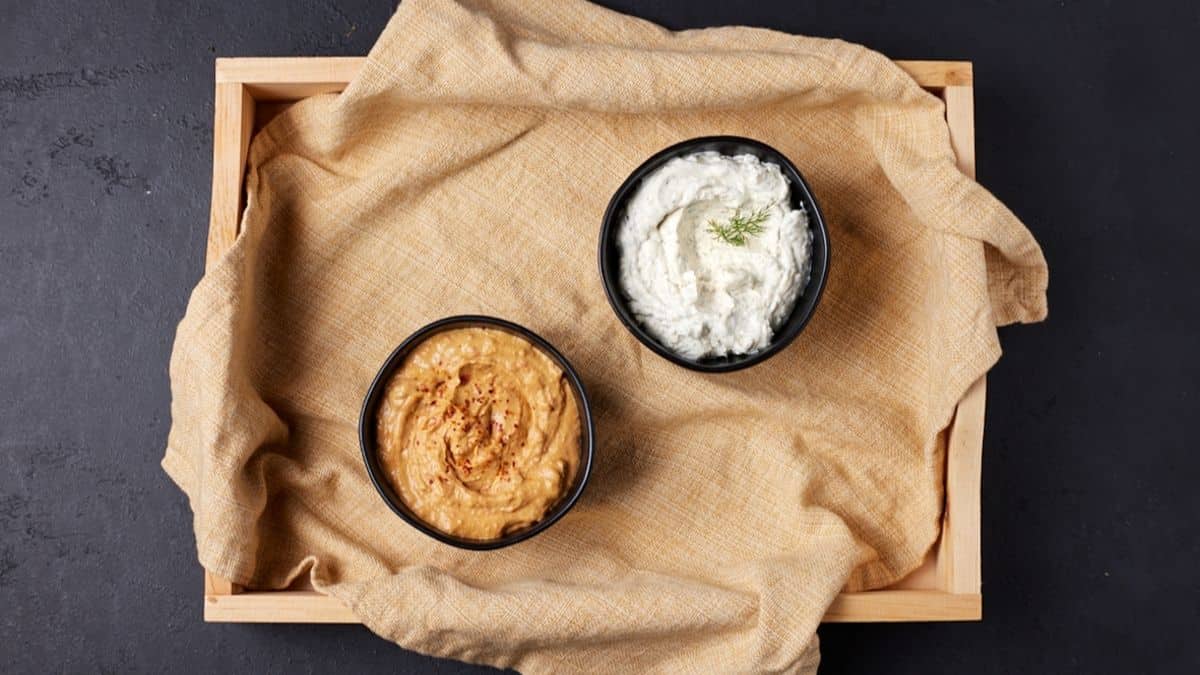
(367, 431)
(800, 197)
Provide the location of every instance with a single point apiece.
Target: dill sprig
(739, 226)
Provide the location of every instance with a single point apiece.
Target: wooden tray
(250, 91)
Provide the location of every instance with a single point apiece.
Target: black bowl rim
(817, 277)
(396, 359)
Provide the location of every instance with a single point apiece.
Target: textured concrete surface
(1086, 127)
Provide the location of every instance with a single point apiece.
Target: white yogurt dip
(695, 281)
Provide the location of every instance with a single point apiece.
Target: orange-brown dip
(478, 432)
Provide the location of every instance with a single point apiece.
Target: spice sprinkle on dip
(478, 433)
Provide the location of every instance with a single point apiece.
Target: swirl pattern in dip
(479, 433)
(701, 294)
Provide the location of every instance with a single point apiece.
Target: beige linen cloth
(466, 171)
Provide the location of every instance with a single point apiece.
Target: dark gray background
(1086, 119)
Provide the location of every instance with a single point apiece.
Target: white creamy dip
(697, 294)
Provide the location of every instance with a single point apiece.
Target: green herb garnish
(739, 226)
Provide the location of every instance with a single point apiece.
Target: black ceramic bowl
(801, 196)
(366, 431)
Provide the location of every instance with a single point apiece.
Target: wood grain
(889, 606)
(233, 120)
(251, 91)
(958, 556)
(870, 606)
(959, 550)
(215, 585)
(277, 607)
(290, 78)
(938, 74)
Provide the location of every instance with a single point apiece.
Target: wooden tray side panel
(946, 588)
(960, 548)
(233, 121)
(276, 607)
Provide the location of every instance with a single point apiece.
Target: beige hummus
(478, 433)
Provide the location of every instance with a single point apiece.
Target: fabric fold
(466, 171)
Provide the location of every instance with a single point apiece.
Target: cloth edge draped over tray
(249, 433)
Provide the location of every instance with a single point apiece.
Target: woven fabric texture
(466, 171)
